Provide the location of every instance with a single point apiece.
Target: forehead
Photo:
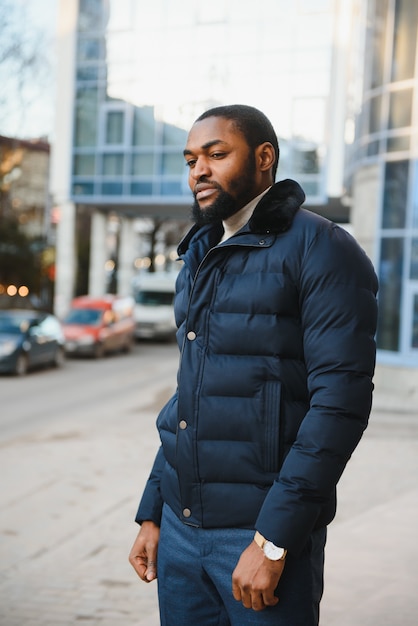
(205, 133)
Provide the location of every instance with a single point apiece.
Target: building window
(375, 114)
(112, 164)
(83, 188)
(378, 42)
(400, 109)
(143, 127)
(414, 196)
(84, 164)
(89, 49)
(112, 189)
(398, 144)
(173, 136)
(86, 109)
(90, 15)
(141, 188)
(414, 260)
(404, 39)
(114, 127)
(142, 164)
(414, 333)
(395, 194)
(390, 293)
(172, 163)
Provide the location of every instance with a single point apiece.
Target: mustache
(205, 182)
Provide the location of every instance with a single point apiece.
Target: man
(276, 312)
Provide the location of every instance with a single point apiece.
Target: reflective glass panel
(173, 136)
(89, 49)
(112, 164)
(374, 112)
(377, 41)
(415, 196)
(171, 188)
(414, 341)
(86, 114)
(172, 163)
(398, 144)
(114, 127)
(404, 39)
(141, 189)
(143, 127)
(90, 15)
(400, 109)
(395, 194)
(390, 293)
(112, 189)
(84, 164)
(414, 260)
(142, 164)
(83, 188)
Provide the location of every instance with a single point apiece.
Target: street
(76, 448)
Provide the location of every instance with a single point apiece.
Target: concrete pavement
(83, 577)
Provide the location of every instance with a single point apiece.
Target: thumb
(151, 573)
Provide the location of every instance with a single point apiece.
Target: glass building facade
(387, 140)
(145, 71)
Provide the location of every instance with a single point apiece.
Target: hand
(255, 579)
(143, 556)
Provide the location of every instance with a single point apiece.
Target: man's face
(222, 172)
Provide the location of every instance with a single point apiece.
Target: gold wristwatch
(271, 551)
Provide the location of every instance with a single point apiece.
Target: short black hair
(254, 125)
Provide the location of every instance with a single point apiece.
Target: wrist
(270, 550)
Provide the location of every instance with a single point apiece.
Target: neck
(234, 223)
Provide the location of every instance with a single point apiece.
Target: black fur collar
(273, 214)
(276, 209)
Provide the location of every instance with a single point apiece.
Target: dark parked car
(29, 339)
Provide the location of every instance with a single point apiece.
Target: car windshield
(88, 317)
(154, 298)
(13, 324)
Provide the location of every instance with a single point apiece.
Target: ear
(265, 156)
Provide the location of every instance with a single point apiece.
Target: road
(76, 446)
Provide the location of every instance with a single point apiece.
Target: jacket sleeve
(338, 314)
(151, 505)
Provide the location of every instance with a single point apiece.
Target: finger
(151, 573)
(236, 591)
(270, 599)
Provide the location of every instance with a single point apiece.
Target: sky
(36, 118)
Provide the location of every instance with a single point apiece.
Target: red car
(96, 326)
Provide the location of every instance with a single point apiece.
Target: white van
(154, 311)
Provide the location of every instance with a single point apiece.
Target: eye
(217, 155)
(190, 162)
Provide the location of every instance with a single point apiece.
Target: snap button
(187, 512)
(183, 424)
(191, 335)
(262, 242)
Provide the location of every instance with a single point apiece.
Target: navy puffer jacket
(276, 332)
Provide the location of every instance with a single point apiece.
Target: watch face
(273, 552)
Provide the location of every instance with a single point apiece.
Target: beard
(227, 204)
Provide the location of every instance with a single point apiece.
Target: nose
(200, 169)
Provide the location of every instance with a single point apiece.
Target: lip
(203, 191)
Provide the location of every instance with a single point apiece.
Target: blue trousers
(195, 568)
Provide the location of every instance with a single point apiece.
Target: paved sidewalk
(83, 577)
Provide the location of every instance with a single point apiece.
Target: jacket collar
(277, 208)
(273, 214)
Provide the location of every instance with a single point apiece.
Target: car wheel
(59, 357)
(127, 347)
(99, 351)
(22, 365)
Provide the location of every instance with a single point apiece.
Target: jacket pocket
(271, 412)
